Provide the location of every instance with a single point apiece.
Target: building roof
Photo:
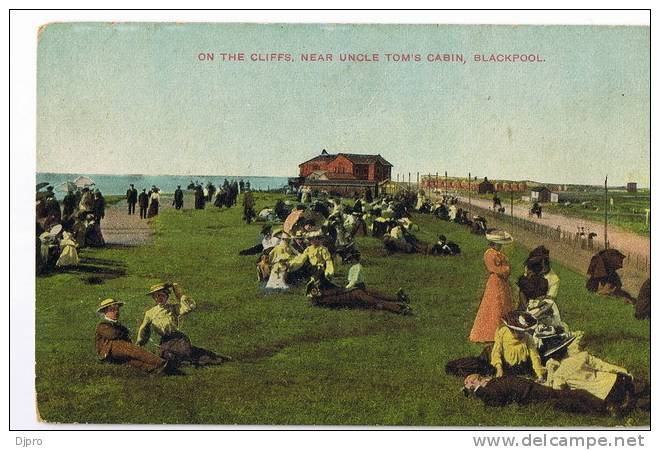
(365, 159)
(355, 158)
(539, 189)
(340, 183)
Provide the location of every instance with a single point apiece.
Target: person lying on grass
(356, 294)
(164, 318)
(502, 391)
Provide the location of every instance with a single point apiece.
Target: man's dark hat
(266, 229)
(539, 254)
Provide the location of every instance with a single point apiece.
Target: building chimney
(324, 152)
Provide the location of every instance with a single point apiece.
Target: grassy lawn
(295, 363)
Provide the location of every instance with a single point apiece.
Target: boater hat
(108, 302)
(499, 237)
(314, 235)
(55, 230)
(159, 287)
(519, 320)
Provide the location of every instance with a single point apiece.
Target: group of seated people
(446, 208)
(114, 345)
(62, 230)
(536, 358)
(313, 241)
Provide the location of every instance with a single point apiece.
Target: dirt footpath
(121, 229)
(622, 240)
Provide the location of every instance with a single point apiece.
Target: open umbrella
(291, 220)
(42, 185)
(83, 182)
(65, 187)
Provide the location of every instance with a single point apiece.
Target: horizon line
(642, 186)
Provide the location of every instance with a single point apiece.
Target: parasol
(83, 182)
(66, 186)
(291, 220)
(42, 185)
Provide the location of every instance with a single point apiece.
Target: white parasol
(82, 182)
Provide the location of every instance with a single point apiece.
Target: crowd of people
(530, 354)
(62, 229)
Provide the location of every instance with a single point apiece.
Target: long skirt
(153, 209)
(68, 257)
(494, 304)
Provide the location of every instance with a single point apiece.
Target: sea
(118, 184)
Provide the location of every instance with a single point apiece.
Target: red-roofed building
(350, 166)
(344, 173)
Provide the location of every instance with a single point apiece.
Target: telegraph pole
(511, 191)
(606, 208)
(469, 193)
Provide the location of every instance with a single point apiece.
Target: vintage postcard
(343, 224)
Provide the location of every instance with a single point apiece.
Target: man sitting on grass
(315, 260)
(113, 343)
(444, 247)
(164, 318)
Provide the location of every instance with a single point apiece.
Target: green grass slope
(295, 363)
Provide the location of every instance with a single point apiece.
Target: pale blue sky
(133, 98)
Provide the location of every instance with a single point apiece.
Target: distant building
(541, 194)
(631, 187)
(345, 173)
(349, 166)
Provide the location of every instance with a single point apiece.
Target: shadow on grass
(261, 353)
(97, 270)
(120, 246)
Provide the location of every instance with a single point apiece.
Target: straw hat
(314, 235)
(499, 237)
(159, 287)
(55, 230)
(108, 302)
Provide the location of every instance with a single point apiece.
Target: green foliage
(295, 363)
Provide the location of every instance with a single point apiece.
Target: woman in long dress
(68, 251)
(496, 300)
(154, 200)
